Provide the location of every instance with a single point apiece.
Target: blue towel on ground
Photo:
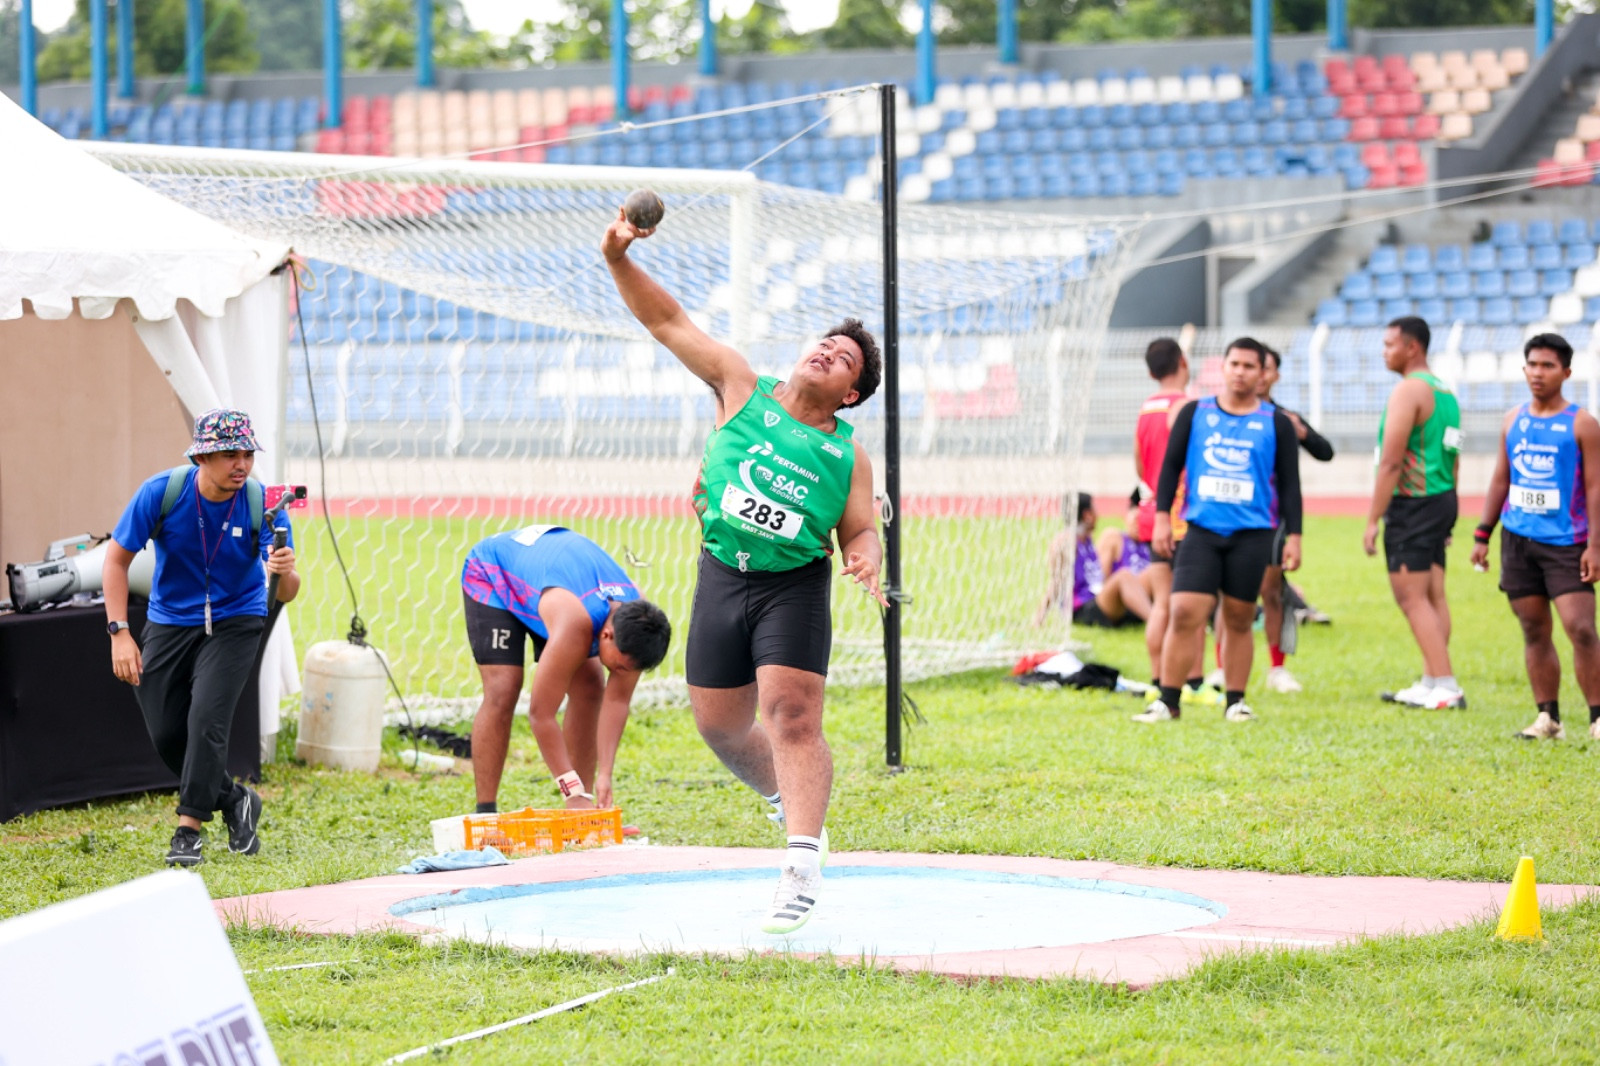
(455, 860)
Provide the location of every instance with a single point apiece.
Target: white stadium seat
(1085, 91)
(1169, 89)
(1113, 91)
(1141, 91)
(1229, 87)
(1566, 308)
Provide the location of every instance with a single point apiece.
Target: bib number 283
(779, 521)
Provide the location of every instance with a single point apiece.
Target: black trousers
(190, 685)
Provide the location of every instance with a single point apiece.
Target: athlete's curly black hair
(642, 632)
(871, 371)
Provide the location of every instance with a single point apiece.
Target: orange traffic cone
(1519, 919)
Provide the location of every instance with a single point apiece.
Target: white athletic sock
(776, 800)
(804, 853)
(1447, 682)
(1429, 682)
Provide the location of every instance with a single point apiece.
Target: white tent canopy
(209, 304)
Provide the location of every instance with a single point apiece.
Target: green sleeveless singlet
(771, 488)
(1429, 467)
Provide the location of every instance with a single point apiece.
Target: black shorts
(496, 635)
(1232, 564)
(1090, 614)
(761, 618)
(1416, 529)
(1166, 560)
(1533, 568)
(1280, 536)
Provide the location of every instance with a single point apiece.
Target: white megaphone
(61, 576)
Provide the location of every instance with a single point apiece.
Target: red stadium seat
(1343, 84)
(1364, 129)
(1592, 151)
(1425, 127)
(1376, 154)
(1409, 103)
(330, 142)
(1416, 174)
(1336, 68)
(1385, 105)
(1384, 177)
(1395, 128)
(1577, 174)
(1407, 154)
(1401, 80)
(1371, 82)
(655, 94)
(1354, 107)
(532, 154)
(1547, 173)
(635, 98)
(681, 94)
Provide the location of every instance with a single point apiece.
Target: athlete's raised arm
(717, 364)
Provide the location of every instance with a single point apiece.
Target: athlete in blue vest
(1545, 486)
(592, 637)
(1239, 460)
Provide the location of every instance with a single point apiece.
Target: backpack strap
(254, 495)
(177, 477)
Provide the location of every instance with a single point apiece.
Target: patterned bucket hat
(222, 430)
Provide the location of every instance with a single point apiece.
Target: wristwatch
(115, 627)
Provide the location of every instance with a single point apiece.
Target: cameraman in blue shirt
(208, 607)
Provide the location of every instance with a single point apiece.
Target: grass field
(1328, 782)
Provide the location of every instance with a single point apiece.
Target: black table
(70, 731)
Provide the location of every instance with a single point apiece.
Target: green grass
(1328, 782)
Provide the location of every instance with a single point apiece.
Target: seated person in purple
(592, 637)
(1110, 586)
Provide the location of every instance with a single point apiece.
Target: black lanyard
(207, 557)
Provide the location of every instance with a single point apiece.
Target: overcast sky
(504, 16)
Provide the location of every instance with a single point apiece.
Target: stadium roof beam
(28, 73)
(708, 41)
(425, 44)
(925, 74)
(619, 55)
(1338, 27)
(97, 69)
(332, 66)
(1261, 31)
(1005, 33)
(125, 50)
(194, 47)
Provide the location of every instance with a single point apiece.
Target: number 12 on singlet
(1537, 501)
(779, 521)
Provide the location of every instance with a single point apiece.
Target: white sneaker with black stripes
(796, 897)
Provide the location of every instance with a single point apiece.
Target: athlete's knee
(1238, 615)
(1583, 635)
(794, 719)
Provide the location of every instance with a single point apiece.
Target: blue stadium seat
(1061, 118)
(1521, 283)
(1149, 115)
(1036, 118)
(1197, 163)
(1181, 114)
(1114, 184)
(1085, 184)
(1392, 309)
(1143, 183)
(1044, 140)
(1119, 115)
(1422, 286)
(1357, 286)
(1416, 259)
(1304, 131)
(1555, 282)
(1573, 231)
(1296, 108)
(1449, 257)
(1389, 286)
(1236, 111)
(1505, 233)
(1008, 118)
(1244, 134)
(1573, 256)
(1216, 135)
(1512, 257)
(1130, 137)
(1091, 116)
(1482, 257)
(1257, 161)
(1107, 162)
(1385, 259)
(1186, 136)
(1591, 309)
(1455, 285)
(1074, 140)
(1102, 138)
(1432, 310)
(1336, 129)
(1486, 283)
(1171, 183)
(1158, 137)
(1319, 159)
(1356, 177)
(1325, 107)
(1545, 257)
(1207, 112)
(1466, 311)
(1497, 311)
(1225, 161)
(1541, 231)
(1531, 309)
(1274, 132)
(1331, 313)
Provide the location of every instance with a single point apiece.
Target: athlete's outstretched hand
(865, 573)
(1369, 540)
(620, 234)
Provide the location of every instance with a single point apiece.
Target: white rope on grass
(296, 966)
(559, 1008)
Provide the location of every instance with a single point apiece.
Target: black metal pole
(891, 442)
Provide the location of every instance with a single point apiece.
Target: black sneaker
(242, 815)
(185, 849)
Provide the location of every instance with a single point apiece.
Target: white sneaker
(1414, 695)
(1594, 730)
(1544, 728)
(792, 904)
(1239, 712)
(1445, 699)
(1156, 712)
(1217, 679)
(1279, 679)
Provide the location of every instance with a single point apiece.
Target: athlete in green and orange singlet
(781, 480)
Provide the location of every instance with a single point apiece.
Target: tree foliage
(866, 24)
(288, 33)
(382, 35)
(158, 38)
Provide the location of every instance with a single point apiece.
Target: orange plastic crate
(542, 830)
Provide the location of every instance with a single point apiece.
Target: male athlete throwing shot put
(1239, 462)
(781, 473)
(1544, 491)
(592, 638)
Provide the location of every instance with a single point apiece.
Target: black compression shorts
(761, 618)
(497, 636)
(1232, 564)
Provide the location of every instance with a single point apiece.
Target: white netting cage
(474, 370)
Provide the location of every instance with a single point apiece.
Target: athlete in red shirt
(1170, 369)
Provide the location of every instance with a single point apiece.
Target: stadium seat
(1455, 285)
(1497, 311)
(1512, 257)
(1488, 283)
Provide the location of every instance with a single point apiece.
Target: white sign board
(136, 975)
